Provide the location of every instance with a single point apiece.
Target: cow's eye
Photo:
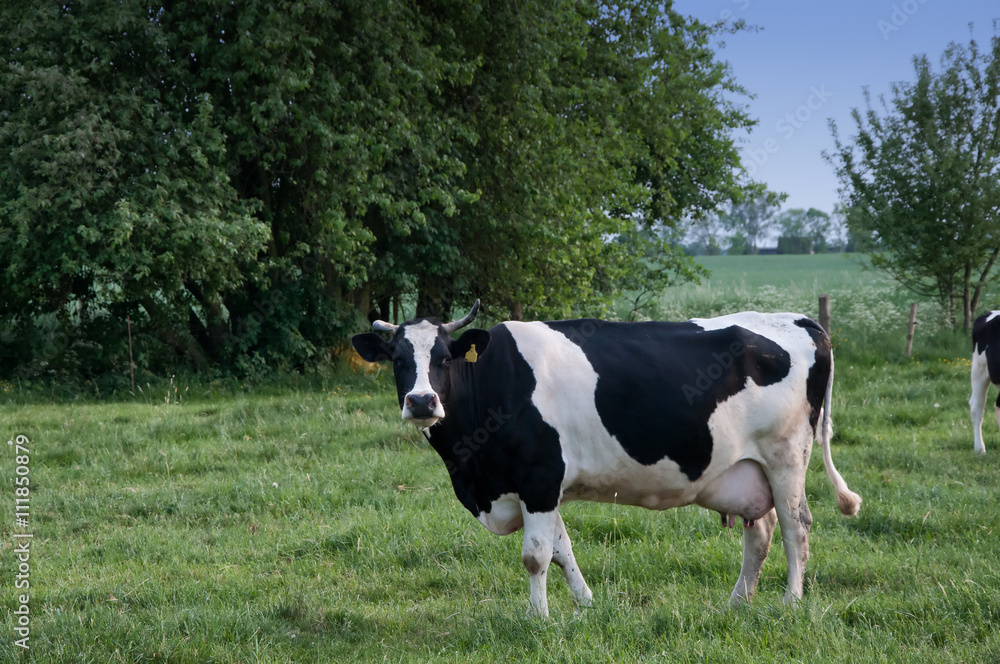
(445, 361)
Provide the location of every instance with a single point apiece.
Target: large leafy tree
(921, 177)
(247, 181)
(114, 195)
(591, 121)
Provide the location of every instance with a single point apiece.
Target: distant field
(303, 522)
(816, 271)
(869, 311)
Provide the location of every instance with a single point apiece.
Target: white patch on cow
(763, 413)
(422, 338)
(504, 516)
(993, 314)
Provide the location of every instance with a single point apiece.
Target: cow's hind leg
(977, 402)
(756, 544)
(786, 473)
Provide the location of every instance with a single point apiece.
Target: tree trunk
(182, 342)
(363, 301)
(983, 277)
(383, 307)
(433, 300)
(213, 334)
(967, 298)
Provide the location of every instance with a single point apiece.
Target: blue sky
(811, 61)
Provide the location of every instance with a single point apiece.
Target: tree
(588, 118)
(654, 265)
(218, 173)
(114, 196)
(812, 223)
(249, 182)
(920, 180)
(752, 216)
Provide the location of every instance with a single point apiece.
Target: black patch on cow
(492, 439)
(659, 383)
(986, 337)
(819, 372)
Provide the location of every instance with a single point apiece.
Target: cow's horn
(462, 322)
(382, 326)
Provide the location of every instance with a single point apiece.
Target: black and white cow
(718, 412)
(985, 370)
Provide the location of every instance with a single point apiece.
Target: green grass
(306, 523)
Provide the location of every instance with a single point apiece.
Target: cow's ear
(371, 347)
(462, 345)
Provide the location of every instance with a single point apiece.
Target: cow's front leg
(538, 550)
(756, 544)
(562, 554)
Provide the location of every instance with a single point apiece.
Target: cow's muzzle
(422, 408)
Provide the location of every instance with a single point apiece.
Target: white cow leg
(795, 520)
(977, 402)
(787, 476)
(537, 552)
(562, 554)
(756, 544)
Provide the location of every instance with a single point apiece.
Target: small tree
(812, 223)
(752, 217)
(921, 178)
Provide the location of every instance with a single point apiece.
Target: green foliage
(114, 198)
(921, 179)
(795, 244)
(246, 182)
(812, 224)
(654, 263)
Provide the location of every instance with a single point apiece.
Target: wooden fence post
(910, 328)
(824, 312)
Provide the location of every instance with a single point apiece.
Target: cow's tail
(848, 501)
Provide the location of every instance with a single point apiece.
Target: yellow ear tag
(472, 355)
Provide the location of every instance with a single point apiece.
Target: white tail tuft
(848, 501)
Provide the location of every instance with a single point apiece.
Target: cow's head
(422, 351)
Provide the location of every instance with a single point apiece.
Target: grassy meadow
(303, 522)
